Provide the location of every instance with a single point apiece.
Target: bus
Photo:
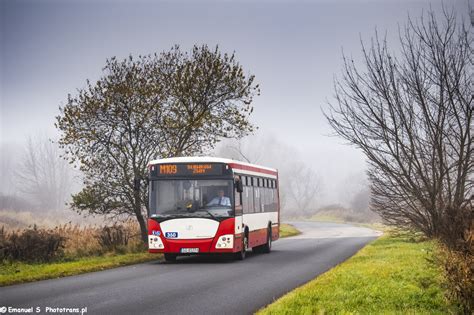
(208, 205)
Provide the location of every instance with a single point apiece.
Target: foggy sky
(49, 48)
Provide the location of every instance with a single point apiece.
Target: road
(199, 285)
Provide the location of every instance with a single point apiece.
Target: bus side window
(238, 201)
(268, 206)
(251, 194)
(251, 199)
(245, 204)
(256, 198)
(263, 197)
(275, 199)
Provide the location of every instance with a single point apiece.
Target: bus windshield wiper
(213, 216)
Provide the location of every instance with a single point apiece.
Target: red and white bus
(201, 205)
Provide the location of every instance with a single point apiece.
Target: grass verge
(390, 275)
(18, 272)
(287, 230)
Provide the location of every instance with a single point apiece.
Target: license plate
(189, 250)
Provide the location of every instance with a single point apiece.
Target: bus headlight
(154, 242)
(225, 242)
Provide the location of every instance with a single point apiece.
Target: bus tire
(170, 257)
(267, 247)
(243, 251)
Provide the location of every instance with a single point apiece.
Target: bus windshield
(191, 198)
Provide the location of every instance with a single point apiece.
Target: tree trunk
(143, 225)
(137, 208)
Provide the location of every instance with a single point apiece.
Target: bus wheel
(268, 246)
(243, 251)
(170, 257)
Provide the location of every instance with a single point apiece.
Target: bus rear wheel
(266, 248)
(170, 257)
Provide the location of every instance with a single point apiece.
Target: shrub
(31, 245)
(114, 238)
(80, 241)
(69, 242)
(459, 274)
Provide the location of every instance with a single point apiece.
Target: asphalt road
(198, 285)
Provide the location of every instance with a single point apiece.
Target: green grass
(287, 230)
(18, 272)
(390, 275)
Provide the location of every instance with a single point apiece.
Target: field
(394, 274)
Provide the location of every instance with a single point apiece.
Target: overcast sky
(49, 48)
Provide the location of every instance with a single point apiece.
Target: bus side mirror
(239, 186)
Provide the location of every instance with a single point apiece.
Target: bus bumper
(157, 243)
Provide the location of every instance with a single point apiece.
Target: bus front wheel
(170, 257)
(243, 251)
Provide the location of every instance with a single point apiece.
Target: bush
(69, 242)
(459, 274)
(80, 241)
(114, 238)
(31, 245)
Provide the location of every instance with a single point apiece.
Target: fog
(50, 48)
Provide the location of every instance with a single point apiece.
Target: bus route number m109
(168, 169)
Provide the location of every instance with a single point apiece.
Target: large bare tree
(411, 112)
(42, 175)
(155, 106)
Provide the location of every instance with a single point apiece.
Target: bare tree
(252, 149)
(360, 201)
(302, 187)
(411, 114)
(7, 167)
(42, 175)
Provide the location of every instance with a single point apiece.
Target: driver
(220, 200)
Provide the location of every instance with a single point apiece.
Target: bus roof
(210, 159)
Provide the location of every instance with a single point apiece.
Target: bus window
(238, 201)
(245, 199)
(268, 204)
(275, 199)
(262, 198)
(192, 198)
(257, 199)
(251, 199)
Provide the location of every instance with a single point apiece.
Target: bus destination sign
(187, 169)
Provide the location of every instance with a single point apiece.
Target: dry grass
(86, 241)
(83, 249)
